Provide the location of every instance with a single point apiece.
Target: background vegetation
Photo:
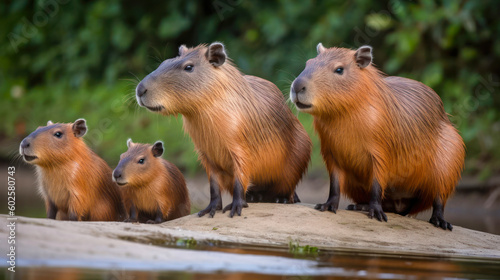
(66, 59)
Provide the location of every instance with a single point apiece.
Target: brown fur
(72, 176)
(392, 129)
(156, 183)
(240, 124)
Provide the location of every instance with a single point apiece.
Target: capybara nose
(25, 144)
(117, 174)
(140, 90)
(299, 86)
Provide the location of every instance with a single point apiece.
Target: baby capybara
(154, 189)
(75, 183)
(386, 141)
(244, 133)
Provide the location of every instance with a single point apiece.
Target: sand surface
(126, 245)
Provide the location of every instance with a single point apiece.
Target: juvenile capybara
(75, 183)
(245, 134)
(154, 189)
(386, 141)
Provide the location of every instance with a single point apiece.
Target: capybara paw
(283, 200)
(358, 207)
(331, 205)
(129, 220)
(211, 208)
(255, 197)
(440, 222)
(151, 222)
(236, 206)
(377, 212)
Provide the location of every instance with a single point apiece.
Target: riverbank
(47, 242)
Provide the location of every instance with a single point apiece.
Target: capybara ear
(79, 127)
(363, 56)
(157, 149)
(182, 50)
(320, 48)
(216, 54)
(129, 142)
(49, 123)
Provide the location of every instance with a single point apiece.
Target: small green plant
(186, 242)
(295, 248)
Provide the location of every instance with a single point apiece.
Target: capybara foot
(358, 207)
(253, 197)
(374, 210)
(236, 206)
(438, 221)
(377, 212)
(332, 204)
(211, 208)
(129, 220)
(283, 200)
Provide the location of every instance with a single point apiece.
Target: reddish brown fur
(72, 176)
(392, 129)
(156, 183)
(240, 124)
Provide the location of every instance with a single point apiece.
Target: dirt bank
(49, 242)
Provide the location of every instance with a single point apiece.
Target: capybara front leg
(51, 209)
(133, 214)
(332, 204)
(375, 205)
(238, 200)
(215, 200)
(437, 218)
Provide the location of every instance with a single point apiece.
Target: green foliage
(295, 248)
(186, 242)
(62, 60)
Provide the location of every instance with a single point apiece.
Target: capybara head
(186, 83)
(54, 143)
(332, 81)
(140, 164)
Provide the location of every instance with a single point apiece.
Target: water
(327, 265)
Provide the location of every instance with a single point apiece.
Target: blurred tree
(64, 59)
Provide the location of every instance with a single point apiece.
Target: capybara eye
(189, 68)
(141, 161)
(58, 134)
(339, 70)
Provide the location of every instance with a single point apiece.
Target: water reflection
(336, 265)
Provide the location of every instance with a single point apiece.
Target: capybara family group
(387, 143)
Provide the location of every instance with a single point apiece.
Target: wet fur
(392, 129)
(160, 185)
(240, 124)
(74, 178)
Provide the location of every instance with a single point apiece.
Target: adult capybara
(74, 182)
(386, 141)
(154, 189)
(245, 135)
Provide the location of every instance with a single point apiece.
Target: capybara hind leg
(437, 218)
(238, 200)
(375, 205)
(255, 196)
(51, 209)
(332, 204)
(296, 198)
(358, 207)
(215, 200)
(264, 196)
(158, 218)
